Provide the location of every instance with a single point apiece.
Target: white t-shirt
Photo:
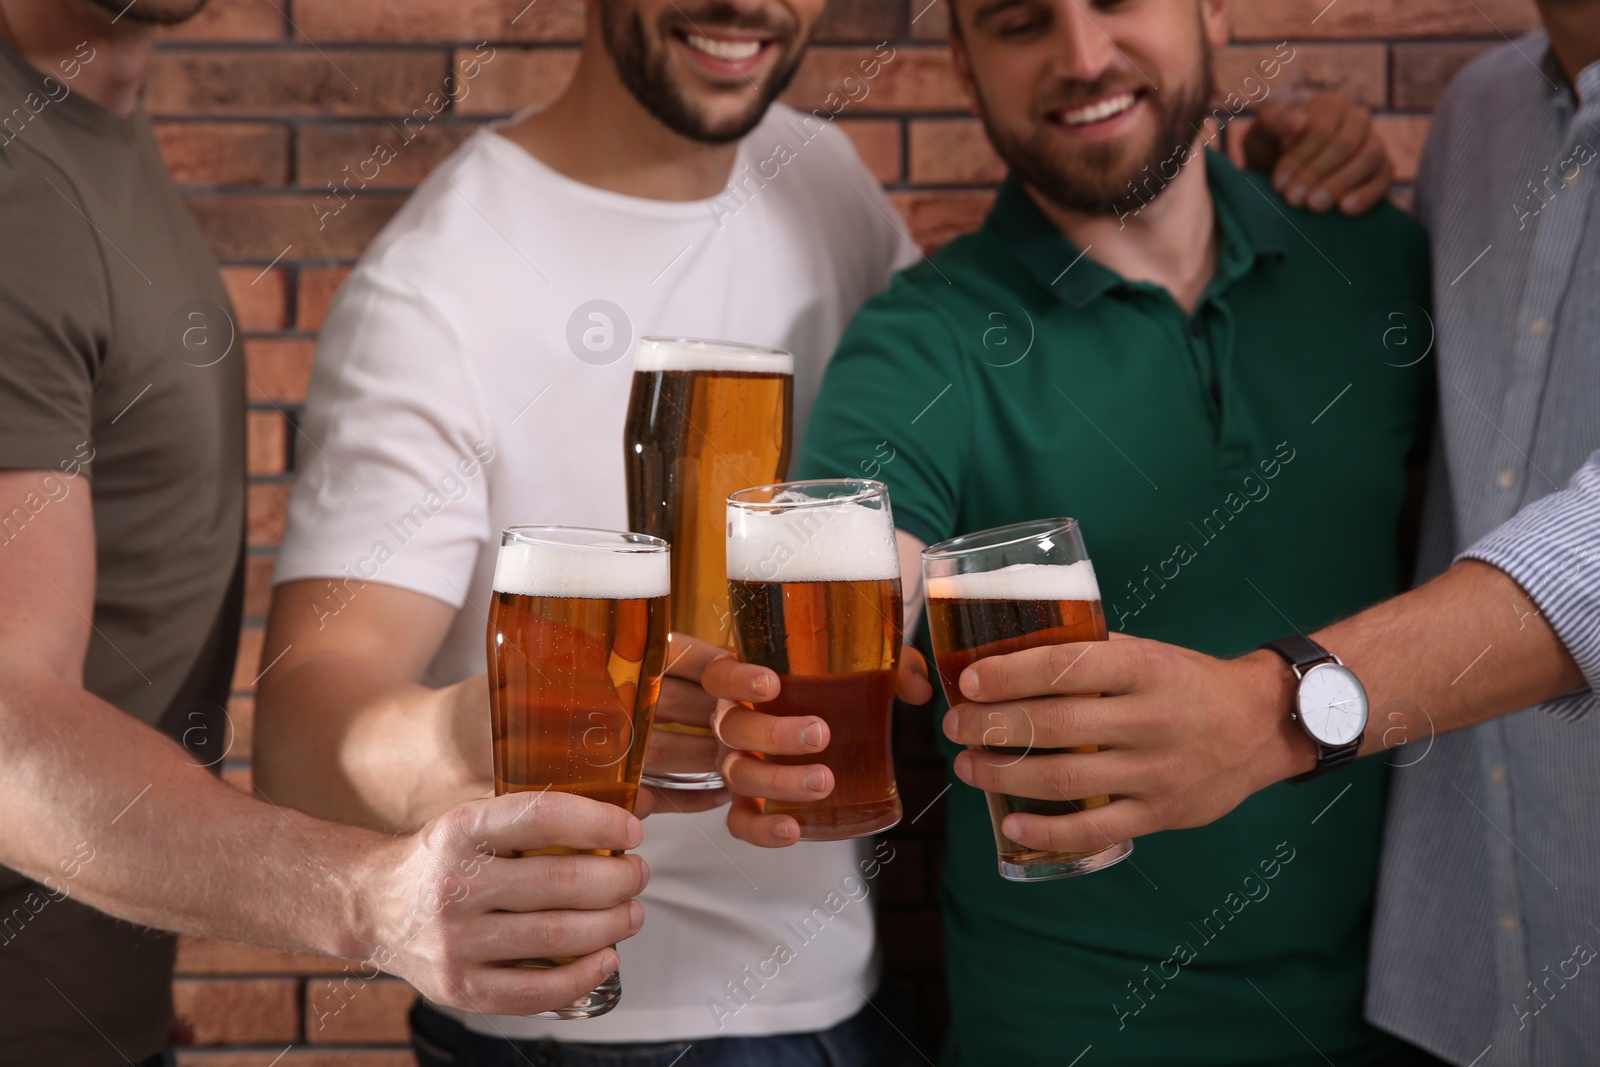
(467, 380)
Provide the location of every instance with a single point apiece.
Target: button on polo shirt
(1238, 471)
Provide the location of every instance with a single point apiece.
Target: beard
(152, 12)
(1100, 178)
(645, 68)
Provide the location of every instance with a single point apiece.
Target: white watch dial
(1333, 706)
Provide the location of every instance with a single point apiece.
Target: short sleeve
(1552, 549)
(894, 406)
(54, 316)
(392, 486)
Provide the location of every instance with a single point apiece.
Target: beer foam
(576, 571)
(820, 543)
(1020, 581)
(690, 355)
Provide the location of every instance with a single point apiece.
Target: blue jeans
(865, 1040)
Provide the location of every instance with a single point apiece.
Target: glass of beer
(814, 582)
(705, 419)
(1001, 591)
(577, 642)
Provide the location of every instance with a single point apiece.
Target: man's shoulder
(44, 226)
(1488, 74)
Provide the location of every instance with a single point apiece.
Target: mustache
(725, 16)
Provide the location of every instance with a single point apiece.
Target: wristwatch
(1330, 705)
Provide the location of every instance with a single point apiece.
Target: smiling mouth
(1096, 111)
(728, 50)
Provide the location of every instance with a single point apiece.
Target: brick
(197, 956)
(1421, 71)
(317, 288)
(930, 20)
(877, 142)
(1276, 20)
(257, 585)
(864, 20)
(260, 227)
(327, 152)
(248, 663)
(1361, 70)
(223, 1011)
(265, 435)
(241, 726)
(350, 1011)
(225, 153)
(1403, 135)
(517, 78)
(267, 506)
(440, 20)
(298, 1058)
(231, 20)
(260, 299)
(278, 369)
(912, 78)
(935, 218)
(953, 152)
(300, 82)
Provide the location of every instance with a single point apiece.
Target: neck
(108, 56)
(1170, 242)
(1574, 30)
(595, 132)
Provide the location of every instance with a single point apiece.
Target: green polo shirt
(1238, 473)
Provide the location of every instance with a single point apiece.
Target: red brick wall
(259, 104)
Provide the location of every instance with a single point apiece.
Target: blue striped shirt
(1487, 927)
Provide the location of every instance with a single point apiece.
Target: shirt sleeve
(894, 407)
(392, 486)
(1552, 549)
(54, 316)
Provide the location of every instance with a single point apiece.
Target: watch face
(1333, 706)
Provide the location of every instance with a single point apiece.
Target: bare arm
(1187, 737)
(344, 727)
(97, 805)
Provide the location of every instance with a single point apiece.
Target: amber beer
(814, 582)
(1023, 600)
(705, 419)
(577, 640)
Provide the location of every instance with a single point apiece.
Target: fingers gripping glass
(577, 643)
(1001, 591)
(705, 419)
(814, 582)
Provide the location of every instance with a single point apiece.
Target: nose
(1085, 50)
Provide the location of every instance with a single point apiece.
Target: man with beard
(1144, 338)
(480, 357)
(1482, 683)
(121, 561)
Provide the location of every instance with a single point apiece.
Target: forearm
(98, 806)
(1467, 646)
(338, 739)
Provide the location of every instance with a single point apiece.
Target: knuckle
(1062, 776)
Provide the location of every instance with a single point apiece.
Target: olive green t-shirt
(121, 375)
(1238, 473)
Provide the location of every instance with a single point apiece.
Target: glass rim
(730, 347)
(1015, 533)
(548, 535)
(868, 490)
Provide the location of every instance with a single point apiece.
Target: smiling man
(1147, 339)
(481, 357)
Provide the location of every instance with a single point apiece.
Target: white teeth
(1099, 112)
(732, 51)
